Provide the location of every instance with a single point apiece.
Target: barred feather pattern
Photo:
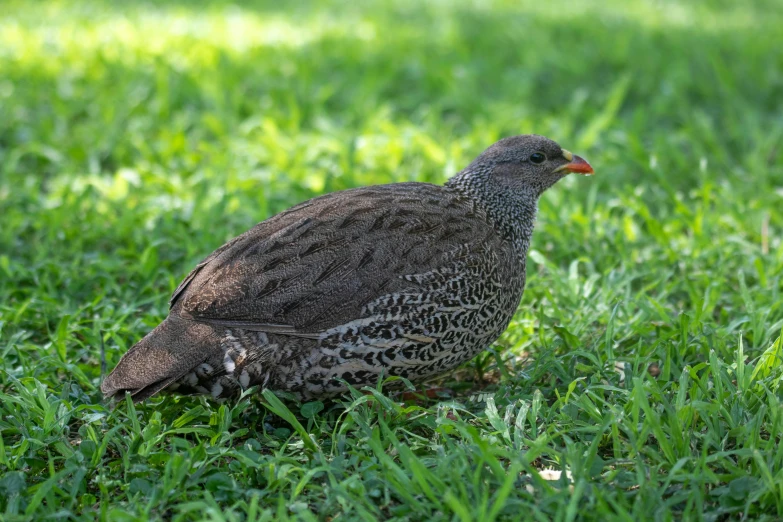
(445, 318)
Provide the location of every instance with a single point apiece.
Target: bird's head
(527, 164)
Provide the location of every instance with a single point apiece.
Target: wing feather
(318, 264)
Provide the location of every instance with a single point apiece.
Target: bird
(405, 279)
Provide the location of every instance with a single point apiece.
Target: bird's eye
(538, 157)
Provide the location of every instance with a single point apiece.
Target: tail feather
(145, 393)
(174, 348)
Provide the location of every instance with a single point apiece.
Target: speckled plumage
(407, 279)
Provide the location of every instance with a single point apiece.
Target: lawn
(640, 379)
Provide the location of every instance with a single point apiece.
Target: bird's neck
(512, 212)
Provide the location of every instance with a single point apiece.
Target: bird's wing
(316, 265)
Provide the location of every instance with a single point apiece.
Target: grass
(642, 366)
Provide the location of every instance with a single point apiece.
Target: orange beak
(576, 164)
(580, 166)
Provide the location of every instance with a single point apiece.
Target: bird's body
(407, 279)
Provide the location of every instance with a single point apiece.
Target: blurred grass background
(135, 138)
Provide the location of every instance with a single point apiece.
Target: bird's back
(317, 265)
